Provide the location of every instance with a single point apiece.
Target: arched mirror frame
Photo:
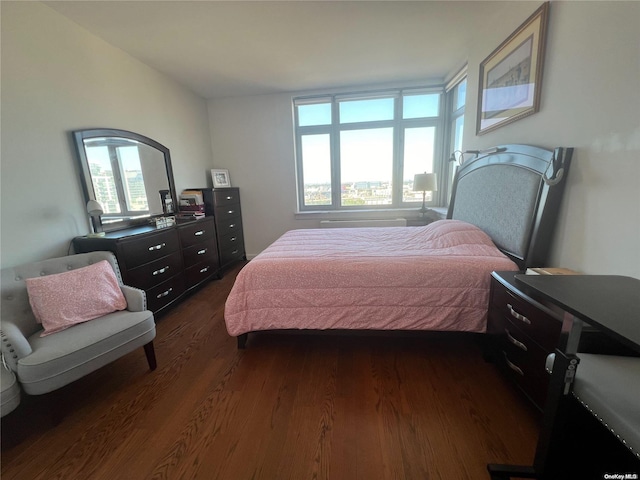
(79, 138)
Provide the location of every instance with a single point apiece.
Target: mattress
(434, 277)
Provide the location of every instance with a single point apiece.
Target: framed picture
(220, 178)
(511, 77)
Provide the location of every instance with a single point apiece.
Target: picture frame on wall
(511, 77)
(220, 178)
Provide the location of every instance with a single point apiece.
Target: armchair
(9, 390)
(45, 363)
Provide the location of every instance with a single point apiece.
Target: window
(456, 98)
(361, 151)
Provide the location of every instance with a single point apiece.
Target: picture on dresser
(220, 178)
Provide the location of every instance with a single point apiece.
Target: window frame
(453, 114)
(399, 126)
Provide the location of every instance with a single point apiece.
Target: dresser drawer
(197, 232)
(228, 225)
(165, 293)
(199, 253)
(226, 197)
(231, 254)
(231, 241)
(227, 213)
(525, 367)
(201, 271)
(147, 248)
(540, 326)
(530, 355)
(153, 273)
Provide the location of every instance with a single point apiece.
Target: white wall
(590, 101)
(253, 138)
(56, 78)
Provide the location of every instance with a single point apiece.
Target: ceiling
(236, 48)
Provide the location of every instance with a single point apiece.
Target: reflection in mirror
(128, 174)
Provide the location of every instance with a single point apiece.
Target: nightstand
(430, 215)
(603, 385)
(521, 332)
(419, 221)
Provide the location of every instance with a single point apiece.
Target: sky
(367, 154)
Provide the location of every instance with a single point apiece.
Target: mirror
(129, 174)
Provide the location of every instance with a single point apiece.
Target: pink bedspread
(395, 278)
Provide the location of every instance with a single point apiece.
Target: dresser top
(143, 229)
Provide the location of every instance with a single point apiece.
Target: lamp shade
(94, 209)
(425, 182)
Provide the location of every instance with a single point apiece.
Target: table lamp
(425, 182)
(94, 209)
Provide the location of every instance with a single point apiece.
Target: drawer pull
(205, 269)
(230, 212)
(235, 251)
(229, 198)
(233, 239)
(161, 271)
(157, 247)
(517, 315)
(514, 341)
(165, 293)
(232, 225)
(512, 366)
(202, 252)
(199, 232)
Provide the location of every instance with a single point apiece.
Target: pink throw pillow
(62, 300)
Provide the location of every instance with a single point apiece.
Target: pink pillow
(62, 300)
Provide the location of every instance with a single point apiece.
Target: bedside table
(430, 215)
(419, 221)
(521, 332)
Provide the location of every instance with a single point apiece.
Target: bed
(436, 277)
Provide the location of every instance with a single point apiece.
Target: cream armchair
(45, 363)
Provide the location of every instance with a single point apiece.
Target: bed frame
(513, 193)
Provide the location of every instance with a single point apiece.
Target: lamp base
(95, 235)
(424, 208)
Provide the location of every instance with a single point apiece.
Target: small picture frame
(511, 77)
(220, 178)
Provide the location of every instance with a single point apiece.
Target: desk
(608, 302)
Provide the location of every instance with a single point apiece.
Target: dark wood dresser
(224, 205)
(164, 262)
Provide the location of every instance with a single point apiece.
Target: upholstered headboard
(513, 193)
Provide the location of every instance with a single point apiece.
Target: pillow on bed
(62, 300)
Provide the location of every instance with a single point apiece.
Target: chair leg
(56, 402)
(151, 355)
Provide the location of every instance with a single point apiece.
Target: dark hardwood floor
(287, 407)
